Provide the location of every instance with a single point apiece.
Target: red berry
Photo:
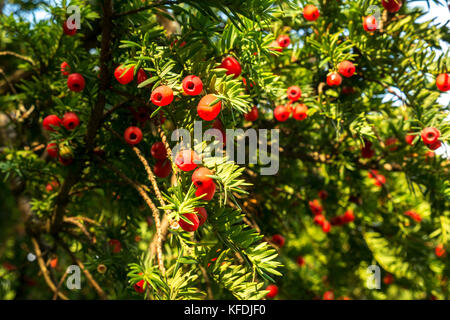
(413, 215)
(50, 122)
(294, 93)
(348, 216)
(116, 245)
(192, 217)
(328, 295)
(430, 135)
(315, 207)
(409, 138)
(205, 110)
(434, 145)
(217, 124)
(370, 23)
(207, 191)
(158, 151)
(232, 65)
(439, 250)
(393, 142)
(283, 41)
(273, 291)
(323, 194)
(139, 286)
(346, 68)
(275, 46)
(202, 215)
(52, 186)
(319, 219)
(200, 178)
(162, 168)
(392, 5)
(311, 12)
(301, 261)
(70, 120)
(67, 31)
(278, 239)
(252, 115)
(54, 262)
(192, 85)
(367, 151)
(65, 68)
(186, 160)
(388, 279)
(124, 75)
(75, 82)
(334, 79)
(281, 113)
(443, 82)
(300, 112)
(133, 135)
(52, 150)
(141, 76)
(326, 227)
(162, 96)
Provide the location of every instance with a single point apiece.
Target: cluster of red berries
(439, 250)
(413, 215)
(162, 167)
(370, 23)
(319, 219)
(52, 123)
(186, 160)
(430, 136)
(299, 112)
(196, 219)
(345, 68)
(345, 218)
(378, 179)
(125, 75)
(51, 186)
(75, 81)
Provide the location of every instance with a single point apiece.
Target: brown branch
(10, 53)
(45, 271)
(150, 204)
(59, 284)
(94, 122)
(86, 272)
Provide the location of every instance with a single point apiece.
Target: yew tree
(96, 95)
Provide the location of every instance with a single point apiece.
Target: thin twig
(45, 271)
